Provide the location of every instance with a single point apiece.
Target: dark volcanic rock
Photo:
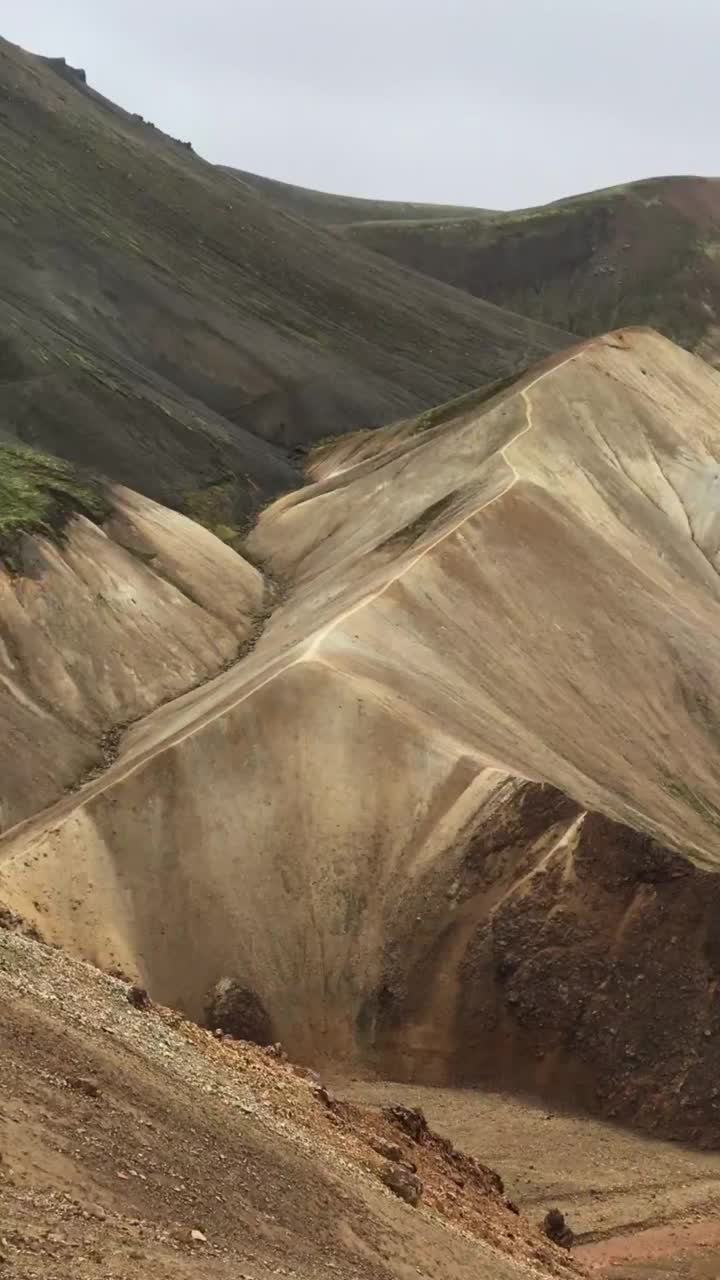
(239, 1012)
(557, 1229)
(403, 1182)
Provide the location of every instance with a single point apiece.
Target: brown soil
(683, 1251)
(641, 1209)
(134, 1144)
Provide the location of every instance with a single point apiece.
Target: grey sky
(500, 103)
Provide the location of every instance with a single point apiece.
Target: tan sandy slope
(101, 629)
(528, 591)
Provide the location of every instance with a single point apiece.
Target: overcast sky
(498, 104)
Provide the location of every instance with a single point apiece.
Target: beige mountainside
(103, 628)
(492, 626)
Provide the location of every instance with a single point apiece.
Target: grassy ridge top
(642, 253)
(327, 209)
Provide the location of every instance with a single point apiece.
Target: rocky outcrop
(577, 961)
(76, 75)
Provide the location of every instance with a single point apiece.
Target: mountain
(644, 253)
(110, 605)
(168, 327)
(457, 811)
(407, 772)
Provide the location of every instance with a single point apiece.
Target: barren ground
(133, 1144)
(640, 1208)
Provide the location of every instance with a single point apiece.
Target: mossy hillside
(451, 409)
(329, 209)
(171, 325)
(643, 253)
(39, 494)
(215, 508)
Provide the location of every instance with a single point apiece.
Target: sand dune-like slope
(490, 628)
(99, 628)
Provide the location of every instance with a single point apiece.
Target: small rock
(403, 1182)
(557, 1229)
(411, 1119)
(198, 1237)
(389, 1150)
(325, 1096)
(239, 1012)
(138, 997)
(85, 1084)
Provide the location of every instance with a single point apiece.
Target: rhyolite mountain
(476, 738)
(410, 761)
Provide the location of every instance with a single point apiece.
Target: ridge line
(43, 820)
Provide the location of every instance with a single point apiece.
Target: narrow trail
(447, 532)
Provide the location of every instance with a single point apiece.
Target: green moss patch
(39, 493)
(467, 402)
(215, 508)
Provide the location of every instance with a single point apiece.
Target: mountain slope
(494, 675)
(135, 1145)
(645, 253)
(109, 605)
(326, 209)
(167, 326)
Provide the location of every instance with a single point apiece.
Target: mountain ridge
(534, 544)
(636, 253)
